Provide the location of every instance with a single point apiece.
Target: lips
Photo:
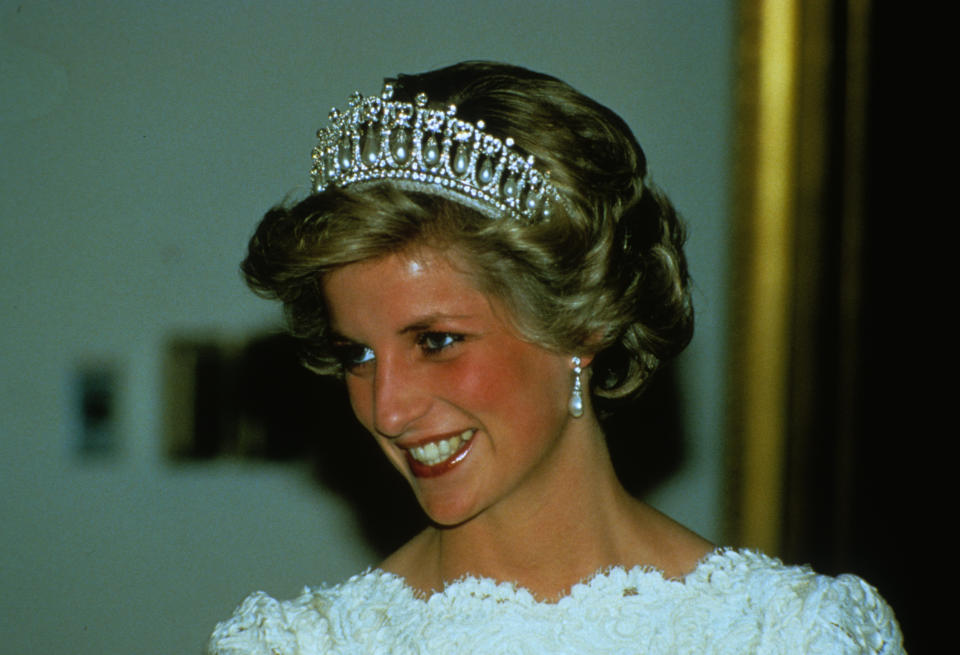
(439, 456)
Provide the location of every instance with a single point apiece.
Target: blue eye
(434, 342)
(352, 355)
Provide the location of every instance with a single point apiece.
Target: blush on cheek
(509, 384)
(482, 384)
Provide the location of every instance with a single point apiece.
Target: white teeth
(437, 451)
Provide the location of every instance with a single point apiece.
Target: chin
(447, 512)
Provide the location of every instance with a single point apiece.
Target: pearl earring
(576, 396)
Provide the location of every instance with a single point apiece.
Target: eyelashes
(435, 342)
(352, 355)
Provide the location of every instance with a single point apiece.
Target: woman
(483, 254)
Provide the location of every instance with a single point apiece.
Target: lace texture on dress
(733, 602)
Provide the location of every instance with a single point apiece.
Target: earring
(576, 396)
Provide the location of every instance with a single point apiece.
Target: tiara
(417, 148)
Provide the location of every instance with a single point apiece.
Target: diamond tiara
(414, 147)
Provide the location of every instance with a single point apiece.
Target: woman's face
(469, 413)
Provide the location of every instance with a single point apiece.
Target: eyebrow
(334, 336)
(426, 322)
(418, 325)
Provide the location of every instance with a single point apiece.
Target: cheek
(476, 383)
(361, 400)
(518, 386)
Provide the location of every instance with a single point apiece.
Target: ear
(592, 345)
(585, 360)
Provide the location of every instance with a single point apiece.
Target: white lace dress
(734, 602)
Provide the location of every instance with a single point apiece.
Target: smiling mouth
(437, 452)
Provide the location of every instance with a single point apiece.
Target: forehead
(402, 287)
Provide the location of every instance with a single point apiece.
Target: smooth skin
(534, 500)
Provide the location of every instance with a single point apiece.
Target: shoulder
(262, 625)
(321, 620)
(793, 604)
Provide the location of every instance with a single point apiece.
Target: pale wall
(138, 145)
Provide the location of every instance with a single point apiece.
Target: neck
(561, 527)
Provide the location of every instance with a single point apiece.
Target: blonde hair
(605, 275)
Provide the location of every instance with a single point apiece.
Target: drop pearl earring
(576, 396)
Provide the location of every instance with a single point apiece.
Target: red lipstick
(421, 470)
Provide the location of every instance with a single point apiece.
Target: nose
(400, 397)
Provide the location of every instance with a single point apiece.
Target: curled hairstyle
(604, 275)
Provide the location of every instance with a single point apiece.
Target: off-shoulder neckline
(599, 582)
